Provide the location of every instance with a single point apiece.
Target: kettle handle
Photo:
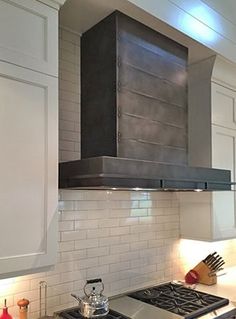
(93, 281)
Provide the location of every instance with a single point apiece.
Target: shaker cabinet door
(223, 203)
(29, 35)
(223, 106)
(28, 170)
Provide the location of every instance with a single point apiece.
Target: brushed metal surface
(134, 113)
(133, 61)
(108, 172)
(135, 309)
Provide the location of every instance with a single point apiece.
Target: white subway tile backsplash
(51, 280)
(129, 256)
(119, 267)
(129, 238)
(120, 285)
(66, 205)
(90, 205)
(97, 252)
(66, 55)
(66, 225)
(69, 96)
(119, 204)
(66, 125)
(147, 220)
(77, 147)
(139, 229)
(69, 71)
(118, 249)
(147, 204)
(98, 233)
(103, 223)
(86, 263)
(72, 116)
(147, 236)
(139, 212)
(69, 87)
(86, 224)
(71, 107)
(118, 213)
(72, 255)
(70, 214)
(155, 211)
(60, 289)
(65, 266)
(162, 203)
(128, 221)
(68, 46)
(139, 245)
(110, 259)
(72, 276)
(69, 66)
(97, 272)
(72, 235)
(70, 37)
(66, 246)
(66, 156)
(67, 146)
(18, 287)
(86, 243)
(109, 241)
(122, 196)
(119, 231)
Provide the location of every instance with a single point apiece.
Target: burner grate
(180, 300)
(75, 314)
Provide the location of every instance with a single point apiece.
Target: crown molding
(56, 4)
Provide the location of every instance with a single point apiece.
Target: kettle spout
(76, 297)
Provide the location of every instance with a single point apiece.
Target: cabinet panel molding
(223, 106)
(28, 186)
(32, 40)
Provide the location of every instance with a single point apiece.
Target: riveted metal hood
(122, 173)
(134, 130)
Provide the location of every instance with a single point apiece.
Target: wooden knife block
(205, 275)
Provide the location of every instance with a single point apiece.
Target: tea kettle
(93, 304)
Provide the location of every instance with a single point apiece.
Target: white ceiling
(226, 8)
(80, 15)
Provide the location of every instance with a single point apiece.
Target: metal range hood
(122, 173)
(134, 130)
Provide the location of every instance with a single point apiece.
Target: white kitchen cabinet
(29, 35)
(223, 106)
(28, 170)
(211, 216)
(28, 135)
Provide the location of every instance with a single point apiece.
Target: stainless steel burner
(180, 300)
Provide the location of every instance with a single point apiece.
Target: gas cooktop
(180, 300)
(165, 301)
(173, 301)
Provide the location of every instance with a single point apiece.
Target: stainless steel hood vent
(134, 128)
